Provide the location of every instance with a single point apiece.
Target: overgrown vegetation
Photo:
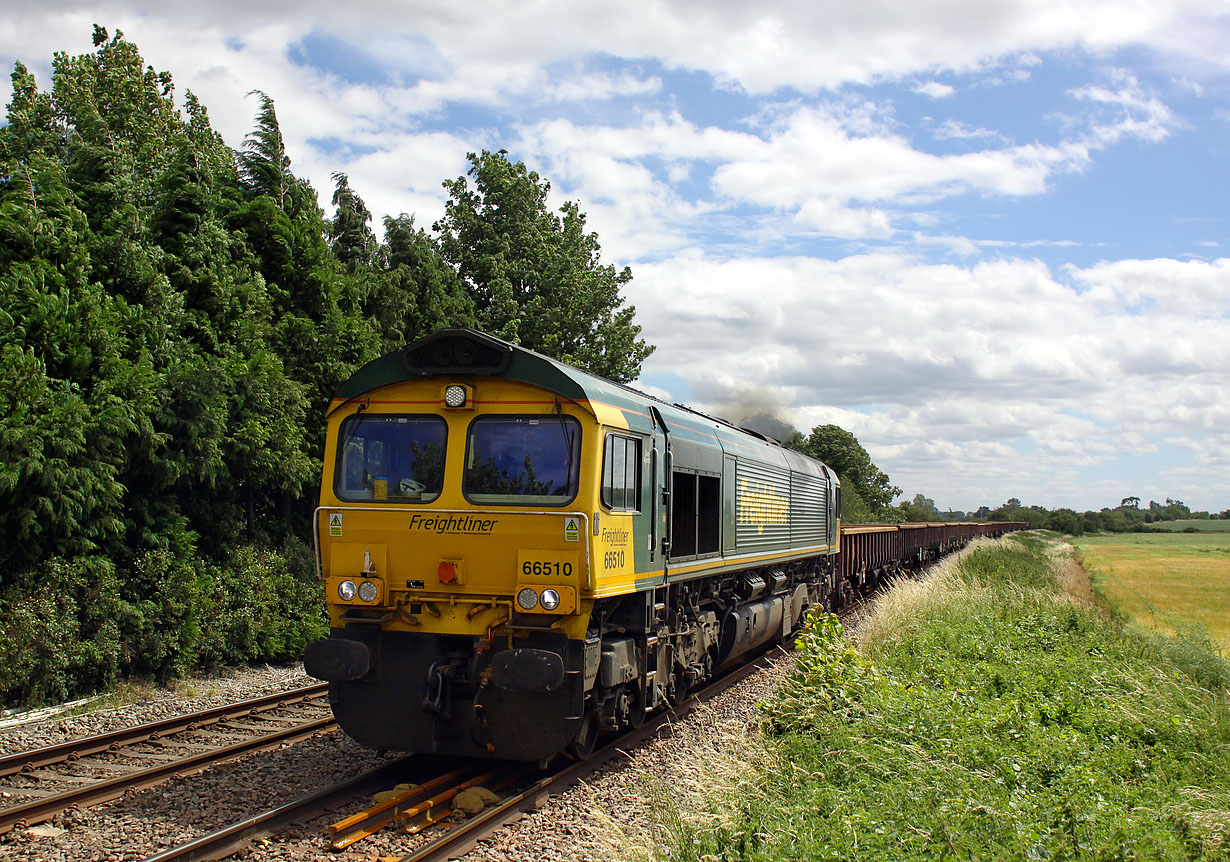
(983, 715)
(174, 316)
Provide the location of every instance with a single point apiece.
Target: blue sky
(988, 239)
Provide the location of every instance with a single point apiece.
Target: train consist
(519, 555)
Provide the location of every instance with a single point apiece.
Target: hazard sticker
(572, 530)
(335, 524)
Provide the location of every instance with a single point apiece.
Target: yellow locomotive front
(519, 555)
(453, 538)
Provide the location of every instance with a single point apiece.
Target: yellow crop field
(1166, 580)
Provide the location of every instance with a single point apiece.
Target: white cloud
(831, 218)
(584, 87)
(837, 169)
(1132, 112)
(1185, 290)
(953, 377)
(935, 90)
(952, 129)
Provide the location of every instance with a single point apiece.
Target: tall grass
(984, 714)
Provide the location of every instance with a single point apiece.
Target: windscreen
(522, 460)
(394, 459)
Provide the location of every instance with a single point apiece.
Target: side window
(621, 473)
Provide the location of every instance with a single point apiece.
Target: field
(1201, 525)
(1166, 581)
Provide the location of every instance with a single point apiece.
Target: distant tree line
(1127, 517)
(174, 317)
(1123, 518)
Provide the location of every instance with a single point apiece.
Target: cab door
(658, 490)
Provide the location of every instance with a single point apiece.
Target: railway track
(434, 786)
(463, 838)
(437, 782)
(49, 780)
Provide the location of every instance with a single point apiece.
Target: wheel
(636, 708)
(587, 736)
(676, 689)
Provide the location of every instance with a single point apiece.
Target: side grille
(457, 351)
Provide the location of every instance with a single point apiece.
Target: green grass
(985, 716)
(1199, 525)
(1175, 582)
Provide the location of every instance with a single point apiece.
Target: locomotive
(519, 555)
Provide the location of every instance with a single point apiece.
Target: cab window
(522, 460)
(392, 459)
(621, 473)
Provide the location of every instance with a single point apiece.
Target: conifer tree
(316, 337)
(351, 239)
(414, 291)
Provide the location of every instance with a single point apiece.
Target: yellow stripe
(620, 587)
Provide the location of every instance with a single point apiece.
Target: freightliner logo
(453, 524)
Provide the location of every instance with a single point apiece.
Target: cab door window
(621, 473)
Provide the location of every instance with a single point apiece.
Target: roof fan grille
(456, 353)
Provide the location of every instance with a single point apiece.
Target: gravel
(21, 732)
(577, 824)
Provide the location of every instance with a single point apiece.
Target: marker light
(455, 396)
(368, 591)
(346, 591)
(527, 599)
(549, 599)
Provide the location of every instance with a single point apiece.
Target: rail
(104, 790)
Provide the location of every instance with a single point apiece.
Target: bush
(158, 615)
(71, 628)
(261, 605)
(59, 635)
(1065, 521)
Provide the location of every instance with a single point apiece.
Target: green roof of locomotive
(461, 353)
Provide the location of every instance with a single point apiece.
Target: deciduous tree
(841, 450)
(535, 276)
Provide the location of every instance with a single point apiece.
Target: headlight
(455, 396)
(549, 599)
(346, 591)
(368, 591)
(527, 599)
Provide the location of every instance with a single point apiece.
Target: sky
(988, 238)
